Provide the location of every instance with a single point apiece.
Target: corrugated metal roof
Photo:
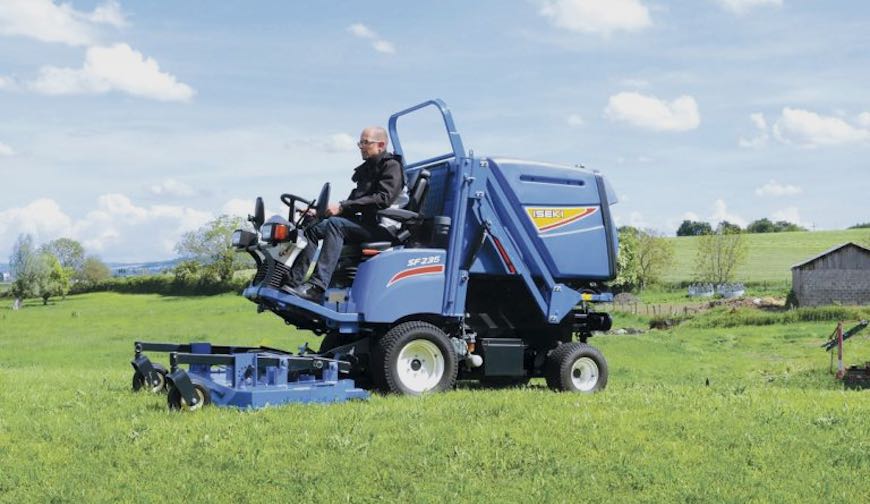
(829, 251)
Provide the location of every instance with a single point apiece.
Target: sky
(124, 124)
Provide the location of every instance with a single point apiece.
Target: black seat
(409, 217)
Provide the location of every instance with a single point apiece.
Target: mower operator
(380, 183)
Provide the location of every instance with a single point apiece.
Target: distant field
(740, 414)
(770, 255)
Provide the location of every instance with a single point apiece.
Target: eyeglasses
(363, 143)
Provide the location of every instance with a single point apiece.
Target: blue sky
(124, 124)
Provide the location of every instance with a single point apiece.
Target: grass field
(772, 426)
(770, 255)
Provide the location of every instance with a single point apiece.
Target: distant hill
(770, 255)
(128, 269)
(143, 268)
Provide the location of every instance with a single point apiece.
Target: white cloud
(576, 120)
(5, 150)
(743, 6)
(637, 220)
(601, 17)
(790, 214)
(48, 21)
(762, 135)
(109, 13)
(774, 188)
(383, 46)
(115, 68)
(41, 218)
(362, 31)
(172, 187)
(115, 228)
(238, 207)
(652, 113)
(721, 213)
(6, 83)
(864, 119)
(808, 129)
(338, 142)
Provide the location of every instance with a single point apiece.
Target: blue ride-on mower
(490, 276)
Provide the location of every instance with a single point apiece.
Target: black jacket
(379, 182)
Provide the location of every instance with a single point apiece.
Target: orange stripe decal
(418, 271)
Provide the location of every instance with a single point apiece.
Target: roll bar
(453, 135)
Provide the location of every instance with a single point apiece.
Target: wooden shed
(840, 275)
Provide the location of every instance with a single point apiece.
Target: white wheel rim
(200, 399)
(159, 386)
(420, 366)
(584, 374)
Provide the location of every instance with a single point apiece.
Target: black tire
(177, 403)
(139, 380)
(415, 358)
(576, 367)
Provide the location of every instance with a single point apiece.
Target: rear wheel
(177, 402)
(414, 358)
(576, 367)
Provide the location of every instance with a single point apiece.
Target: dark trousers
(335, 232)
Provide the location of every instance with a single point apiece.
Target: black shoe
(309, 291)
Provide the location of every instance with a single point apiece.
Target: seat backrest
(418, 192)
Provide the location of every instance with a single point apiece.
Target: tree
(727, 227)
(718, 256)
(786, 226)
(860, 225)
(68, 252)
(654, 255)
(626, 262)
(94, 271)
(761, 226)
(27, 268)
(56, 281)
(211, 246)
(694, 228)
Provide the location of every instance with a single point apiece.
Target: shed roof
(831, 251)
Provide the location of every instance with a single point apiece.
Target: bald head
(373, 141)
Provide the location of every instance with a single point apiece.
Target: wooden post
(841, 371)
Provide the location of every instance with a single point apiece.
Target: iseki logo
(549, 213)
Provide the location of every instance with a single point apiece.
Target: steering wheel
(319, 205)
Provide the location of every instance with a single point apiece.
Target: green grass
(770, 255)
(772, 426)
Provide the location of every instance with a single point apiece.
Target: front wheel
(416, 358)
(155, 385)
(576, 367)
(177, 402)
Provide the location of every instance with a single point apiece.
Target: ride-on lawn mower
(489, 276)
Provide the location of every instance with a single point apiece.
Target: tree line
(50, 270)
(208, 263)
(645, 256)
(765, 225)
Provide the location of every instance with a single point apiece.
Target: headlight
(243, 239)
(275, 232)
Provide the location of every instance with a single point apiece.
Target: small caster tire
(157, 386)
(177, 403)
